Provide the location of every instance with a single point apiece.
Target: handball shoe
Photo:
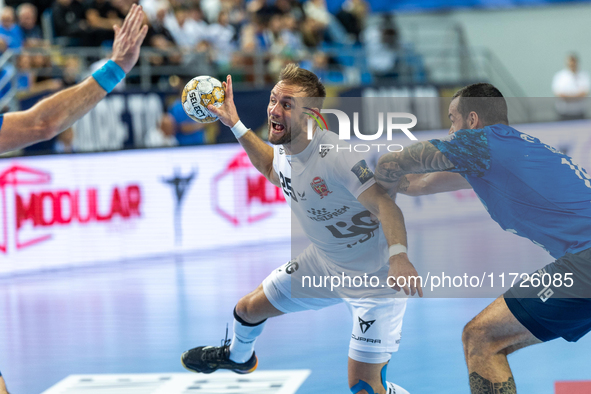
(208, 359)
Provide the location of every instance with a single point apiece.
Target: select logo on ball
(198, 94)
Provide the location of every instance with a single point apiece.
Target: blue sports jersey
(528, 187)
(1, 121)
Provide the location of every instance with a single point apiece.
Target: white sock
(392, 388)
(244, 338)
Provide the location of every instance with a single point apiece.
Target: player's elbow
(414, 191)
(41, 127)
(48, 129)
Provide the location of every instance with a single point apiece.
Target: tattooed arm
(432, 183)
(420, 158)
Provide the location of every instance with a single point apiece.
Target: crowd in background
(228, 35)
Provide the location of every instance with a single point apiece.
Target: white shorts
(377, 322)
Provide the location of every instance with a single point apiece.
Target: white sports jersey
(322, 189)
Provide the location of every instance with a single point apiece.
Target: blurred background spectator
(381, 47)
(571, 86)
(27, 20)
(10, 32)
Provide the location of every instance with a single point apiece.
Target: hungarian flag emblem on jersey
(320, 187)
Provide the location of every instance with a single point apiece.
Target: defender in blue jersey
(528, 188)
(54, 114)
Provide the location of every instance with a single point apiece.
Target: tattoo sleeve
(419, 158)
(480, 385)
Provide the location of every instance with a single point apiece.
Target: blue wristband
(109, 75)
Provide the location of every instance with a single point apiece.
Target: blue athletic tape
(361, 385)
(383, 373)
(109, 75)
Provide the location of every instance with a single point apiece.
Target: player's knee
(247, 308)
(476, 340)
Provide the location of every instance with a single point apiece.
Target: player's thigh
(364, 376)
(557, 303)
(377, 324)
(496, 330)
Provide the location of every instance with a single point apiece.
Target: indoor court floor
(137, 317)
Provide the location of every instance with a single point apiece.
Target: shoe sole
(233, 370)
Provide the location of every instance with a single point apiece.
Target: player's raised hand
(227, 111)
(129, 38)
(402, 272)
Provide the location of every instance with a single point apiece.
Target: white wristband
(396, 249)
(239, 129)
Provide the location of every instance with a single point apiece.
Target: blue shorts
(551, 309)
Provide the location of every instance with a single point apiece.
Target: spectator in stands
(69, 20)
(221, 36)
(381, 48)
(186, 31)
(27, 79)
(10, 32)
(187, 131)
(326, 23)
(353, 16)
(237, 15)
(291, 36)
(101, 15)
(71, 71)
(27, 20)
(160, 38)
(163, 135)
(571, 86)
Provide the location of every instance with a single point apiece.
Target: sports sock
(244, 338)
(392, 388)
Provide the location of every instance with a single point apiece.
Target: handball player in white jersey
(332, 194)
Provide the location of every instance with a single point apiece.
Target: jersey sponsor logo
(362, 171)
(324, 149)
(362, 226)
(291, 267)
(363, 339)
(302, 196)
(322, 215)
(365, 325)
(281, 151)
(319, 186)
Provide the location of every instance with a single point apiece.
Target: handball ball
(198, 94)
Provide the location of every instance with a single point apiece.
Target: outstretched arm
(259, 153)
(419, 158)
(431, 183)
(58, 112)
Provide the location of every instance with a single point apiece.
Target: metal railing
(8, 81)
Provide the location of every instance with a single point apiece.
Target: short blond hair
(292, 74)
